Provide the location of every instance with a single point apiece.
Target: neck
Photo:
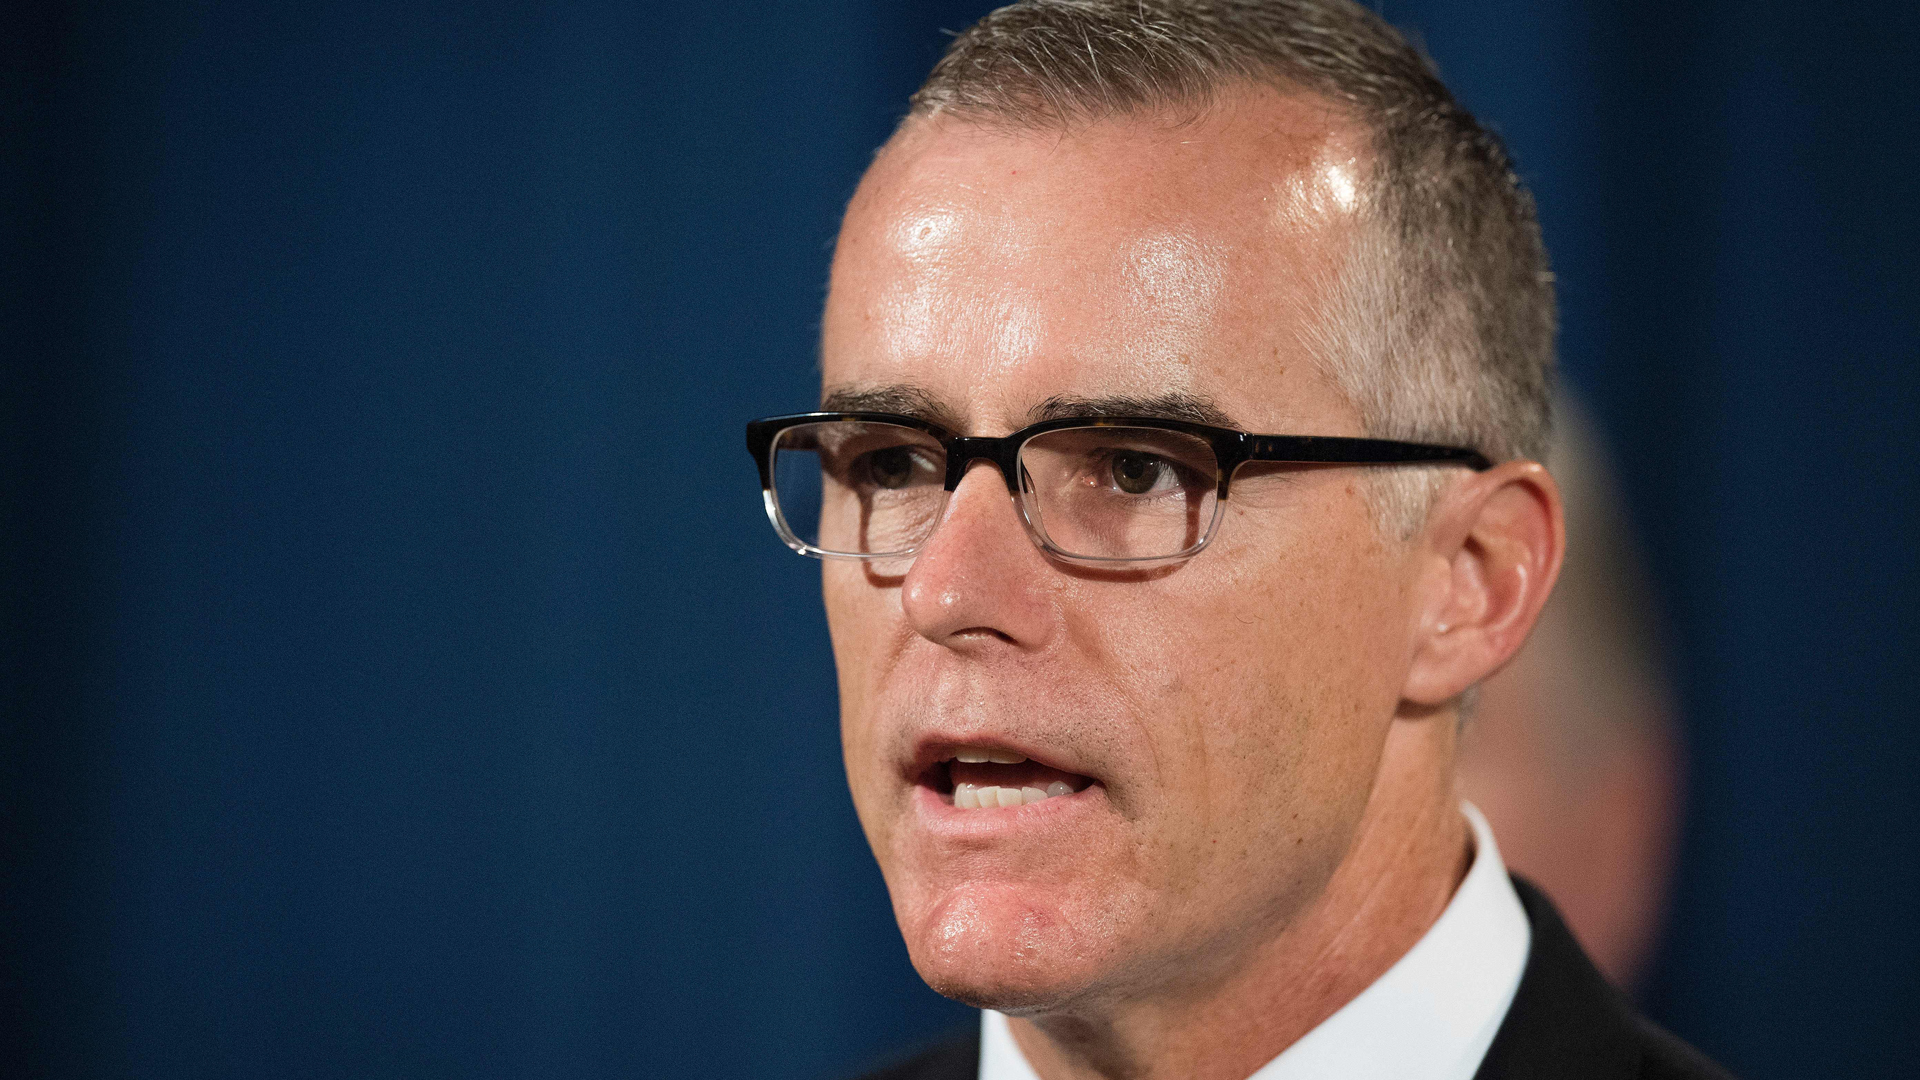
(1409, 853)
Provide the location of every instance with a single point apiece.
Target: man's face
(1219, 722)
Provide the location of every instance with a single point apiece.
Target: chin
(1000, 947)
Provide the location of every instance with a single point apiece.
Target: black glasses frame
(1231, 449)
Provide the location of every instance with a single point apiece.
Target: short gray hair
(1444, 322)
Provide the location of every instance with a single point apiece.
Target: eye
(894, 467)
(1137, 473)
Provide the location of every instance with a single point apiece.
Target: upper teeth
(976, 756)
(987, 797)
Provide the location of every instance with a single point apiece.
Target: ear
(1493, 547)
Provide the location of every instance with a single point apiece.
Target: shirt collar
(1432, 1015)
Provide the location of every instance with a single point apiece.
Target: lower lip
(936, 811)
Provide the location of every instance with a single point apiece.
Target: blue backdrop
(400, 679)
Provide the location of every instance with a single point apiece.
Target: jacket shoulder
(1668, 1057)
(1567, 1022)
(955, 1059)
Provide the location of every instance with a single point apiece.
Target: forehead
(995, 269)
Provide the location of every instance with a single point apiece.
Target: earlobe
(1497, 541)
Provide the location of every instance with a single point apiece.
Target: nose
(979, 579)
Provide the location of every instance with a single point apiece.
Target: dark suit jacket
(1566, 1023)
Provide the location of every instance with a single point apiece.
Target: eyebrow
(901, 399)
(1192, 408)
(906, 399)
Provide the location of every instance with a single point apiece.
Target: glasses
(1094, 490)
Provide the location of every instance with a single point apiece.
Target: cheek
(850, 621)
(1320, 613)
(1258, 684)
(866, 625)
(863, 623)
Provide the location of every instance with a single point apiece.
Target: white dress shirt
(1431, 1016)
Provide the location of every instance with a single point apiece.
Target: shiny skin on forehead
(1134, 257)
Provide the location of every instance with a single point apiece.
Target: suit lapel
(1566, 1020)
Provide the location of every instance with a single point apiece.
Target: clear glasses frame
(1231, 449)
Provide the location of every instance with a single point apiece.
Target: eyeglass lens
(1109, 493)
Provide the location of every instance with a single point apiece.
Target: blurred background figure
(1572, 750)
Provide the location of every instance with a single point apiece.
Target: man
(1185, 376)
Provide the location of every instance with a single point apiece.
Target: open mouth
(993, 778)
